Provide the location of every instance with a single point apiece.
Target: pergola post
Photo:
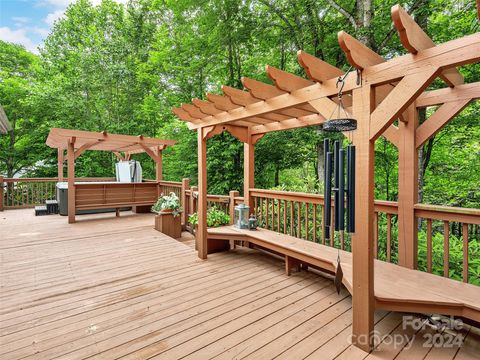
(248, 169)
(71, 179)
(363, 302)
(61, 158)
(407, 189)
(201, 235)
(159, 165)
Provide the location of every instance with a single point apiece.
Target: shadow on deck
(114, 287)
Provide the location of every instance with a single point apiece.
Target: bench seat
(396, 288)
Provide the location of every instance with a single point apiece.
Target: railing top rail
(286, 193)
(170, 183)
(448, 209)
(54, 179)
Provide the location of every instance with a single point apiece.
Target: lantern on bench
(241, 216)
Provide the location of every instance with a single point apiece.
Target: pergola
(389, 90)
(76, 142)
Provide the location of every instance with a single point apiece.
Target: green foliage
(455, 256)
(167, 202)
(215, 218)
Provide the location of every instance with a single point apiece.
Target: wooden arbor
(389, 91)
(76, 142)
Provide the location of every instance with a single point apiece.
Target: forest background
(121, 68)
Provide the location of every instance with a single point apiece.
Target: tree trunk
(277, 175)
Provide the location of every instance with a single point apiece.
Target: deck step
(52, 206)
(41, 210)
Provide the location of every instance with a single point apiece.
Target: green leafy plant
(215, 218)
(455, 256)
(168, 202)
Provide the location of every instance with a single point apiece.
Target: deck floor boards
(108, 288)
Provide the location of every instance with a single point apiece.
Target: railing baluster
(446, 248)
(273, 215)
(284, 216)
(261, 209)
(314, 222)
(266, 212)
(306, 221)
(292, 224)
(299, 219)
(429, 245)
(465, 251)
(389, 237)
(278, 215)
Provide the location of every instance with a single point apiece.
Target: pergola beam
(85, 147)
(316, 69)
(414, 39)
(194, 111)
(438, 120)
(261, 90)
(294, 123)
(357, 54)
(399, 99)
(450, 54)
(286, 81)
(440, 96)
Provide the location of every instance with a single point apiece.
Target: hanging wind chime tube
(328, 193)
(351, 189)
(335, 165)
(336, 177)
(341, 190)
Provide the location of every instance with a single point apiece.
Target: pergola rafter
(387, 90)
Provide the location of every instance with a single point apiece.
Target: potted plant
(168, 211)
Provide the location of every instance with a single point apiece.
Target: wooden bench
(396, 288)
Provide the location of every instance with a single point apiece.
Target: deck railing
(18, 193)
(458, 229)
(448, 237)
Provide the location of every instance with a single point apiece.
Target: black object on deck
(41, 210)
(52, 206)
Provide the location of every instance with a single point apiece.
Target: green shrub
(455, 256)
(215, 218)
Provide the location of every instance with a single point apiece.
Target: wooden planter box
(168, 224)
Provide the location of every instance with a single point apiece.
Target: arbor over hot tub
(111, 195)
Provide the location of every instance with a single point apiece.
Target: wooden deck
(108, 288)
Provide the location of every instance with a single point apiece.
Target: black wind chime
(334, 165)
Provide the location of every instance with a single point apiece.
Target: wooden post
(248, 169)
(407, 190)
(184, 215)
(61, 158)
(71, 180)
(2, 193)
(231, 205)
(159, 165)
(201, 235)
(363, 302)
